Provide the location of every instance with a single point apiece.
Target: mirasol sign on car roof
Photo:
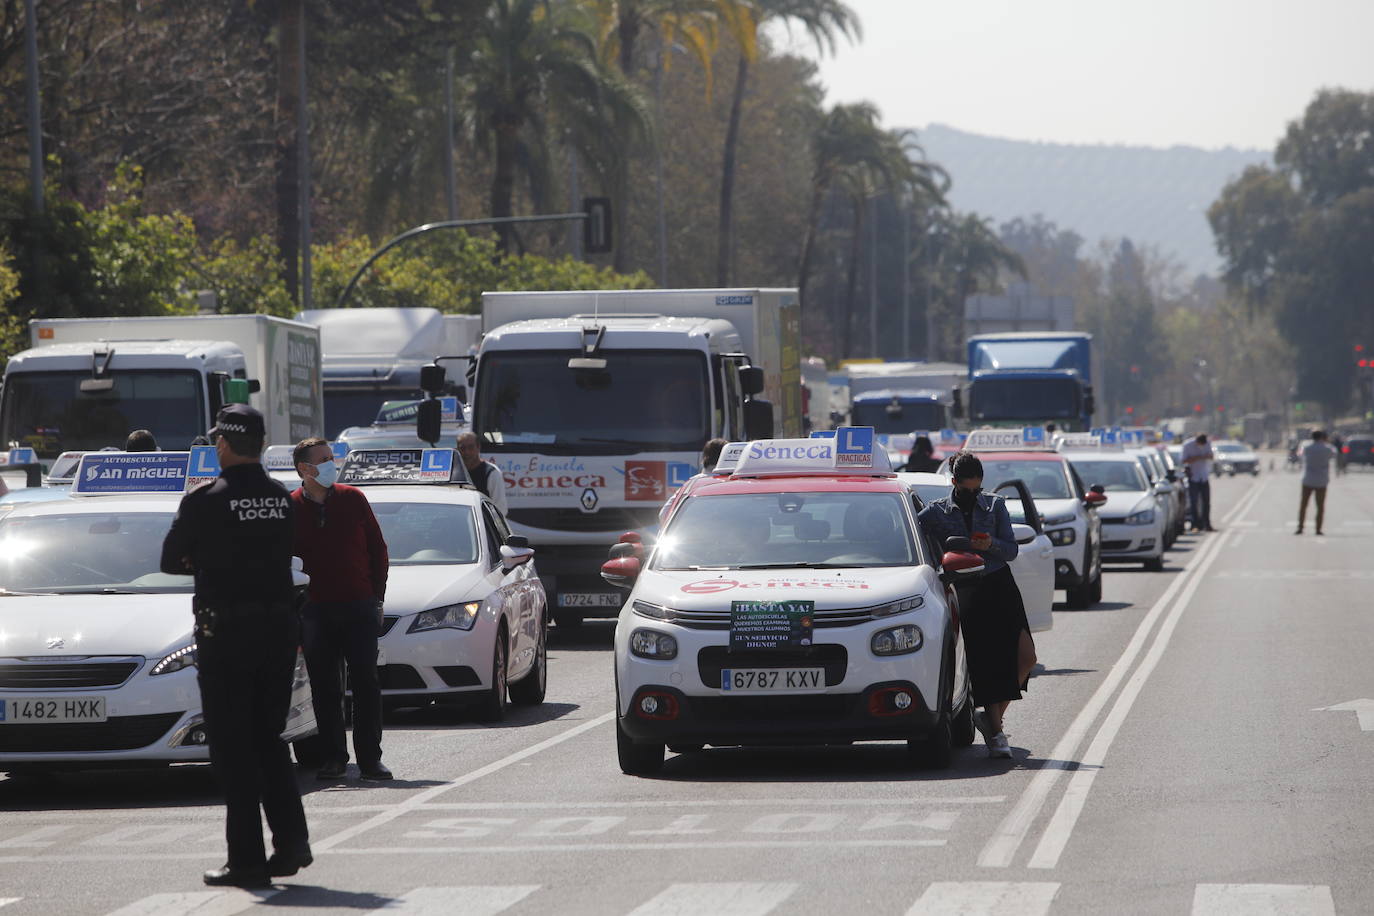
(403, 466)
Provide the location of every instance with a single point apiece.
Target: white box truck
(595, 406)
(87, 382)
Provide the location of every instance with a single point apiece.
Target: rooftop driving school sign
(854, 447)
(17, 456)
(403, 466)
(108, 473)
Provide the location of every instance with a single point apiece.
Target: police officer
(235, 535)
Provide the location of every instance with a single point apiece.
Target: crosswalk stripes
(472, 900)
(719, 899)
(1263, 900)
(8, 900)
(984, 898)
(197, 903)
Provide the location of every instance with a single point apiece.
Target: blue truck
(1024, 378)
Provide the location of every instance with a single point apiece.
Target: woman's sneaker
(999, 745)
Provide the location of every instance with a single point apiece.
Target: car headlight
(451, 616)
(653, 644)
(1065, 519)
(185, 657)
(900, 606)
(897, 640)
(1143, 517)
(657, 612)
(1062, 537)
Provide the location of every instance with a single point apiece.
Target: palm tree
(971, 257)
(535, 76)
(824, 21)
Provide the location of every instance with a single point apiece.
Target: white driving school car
(1135, 520)
(97, 655)
(465, 619)
(791, 603)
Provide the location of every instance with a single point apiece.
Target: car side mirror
(956, 565)
(1022, 534)
(515, 552)
(1163, 487)
(1171, 476)
(958, 543)
(1096, 496)
(621, 571)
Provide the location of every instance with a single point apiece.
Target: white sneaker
(999, 746)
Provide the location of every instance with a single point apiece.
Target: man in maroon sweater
(338, 538)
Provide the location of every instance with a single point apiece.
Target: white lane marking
(906, 802)
(1001, 848)
(721, 899)
(197, 903)
(1263, 900)
(144, 835)
(467, 900)
(1364, 709)
(632, 847)
(37, 838)
(985, 898)
(6, 901)
(1060, 827)
(1314, 574)
(416, 801)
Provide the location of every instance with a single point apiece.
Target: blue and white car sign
(854, 447)
(17, 456)
(123, 472)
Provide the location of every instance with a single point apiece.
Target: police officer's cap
(240, 420)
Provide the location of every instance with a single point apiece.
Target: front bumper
(443, 665)
(1132, 542)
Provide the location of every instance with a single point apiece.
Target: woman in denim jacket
(997, 638)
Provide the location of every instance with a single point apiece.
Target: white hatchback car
(790, 603)
(97, 654)
(466, 619)
(1135, 520)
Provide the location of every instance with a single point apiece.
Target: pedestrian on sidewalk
(344, 553)
(1197, 460)
(997, 637)
(1316, 474)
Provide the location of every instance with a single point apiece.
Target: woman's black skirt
(992, 617)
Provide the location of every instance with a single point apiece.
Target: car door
(511, 589)
(1033, 567)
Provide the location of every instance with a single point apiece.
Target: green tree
(825, 21)
(968, 258)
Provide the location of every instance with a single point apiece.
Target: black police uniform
(236, 534)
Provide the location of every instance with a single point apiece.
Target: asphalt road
(1177, 753)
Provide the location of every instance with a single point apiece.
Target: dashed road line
(1262, 900)
(719, 899)
(977, 898)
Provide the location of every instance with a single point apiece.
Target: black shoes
(332, 770)
(284, 863)
(376, 772)
(239, 877)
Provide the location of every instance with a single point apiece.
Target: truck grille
(121, 733)
(611, 519)
(52, 675)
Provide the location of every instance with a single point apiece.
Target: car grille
(821, 620)
(47, 674)
(120, 733)
(388, 623)
(833, 658)
(610, 519)
(1116, 545)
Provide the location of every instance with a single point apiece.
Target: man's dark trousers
(1200, 503)
(345, 631)
(246, 669)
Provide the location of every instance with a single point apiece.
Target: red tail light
(1345, 449)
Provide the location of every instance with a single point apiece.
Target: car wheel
(962, 731)
(1154, 564)
(492, 706)
(1095, 593)
(935, 750)
(530, 689)
(636, 759)
(567, 619)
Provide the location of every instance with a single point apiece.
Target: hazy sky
(1209, 73)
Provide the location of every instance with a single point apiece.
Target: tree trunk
(852, 280)
(288, 169)
(503, 179)
(627, 29)
(725, 231)
(809, 242)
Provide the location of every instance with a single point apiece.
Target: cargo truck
(87, 382)
(595, 406)
(1030, 379)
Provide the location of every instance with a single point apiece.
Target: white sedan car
(465, 619)
(97, 655)
(1134, 520)
(1033, 568)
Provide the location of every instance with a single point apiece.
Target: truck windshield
(51, 413)
(788, 530)
(1015, 398)
(644, 400)
(345, 407)
(87, 552)
(885, 417)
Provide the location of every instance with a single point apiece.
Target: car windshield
(87, 552)
(931, 492)
(643, 400)
(1113, 476)
(1044, 479)
(427, 534)
(788, 530)
(1024, 399)
(1231, 447)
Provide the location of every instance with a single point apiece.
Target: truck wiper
(797, 566)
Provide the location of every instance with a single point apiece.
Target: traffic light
(596, 228)
(1130, 410)
(1197, 408)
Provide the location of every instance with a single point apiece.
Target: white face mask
(327, 473)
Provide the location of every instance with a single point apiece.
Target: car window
(1113, 476)
(87, 552)
(494, 537)
(419, 534)
(762, 530)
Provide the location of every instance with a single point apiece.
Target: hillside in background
(1158, 197)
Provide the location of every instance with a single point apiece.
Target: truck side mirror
(758, 419)
(958, 408)
(432, 379)
(429, 420)
(751, 380)
(236, 390)
(1089, 402)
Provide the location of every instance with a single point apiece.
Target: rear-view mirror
(956, 565)
(751, 380)
(621, 572)
(758, 419)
